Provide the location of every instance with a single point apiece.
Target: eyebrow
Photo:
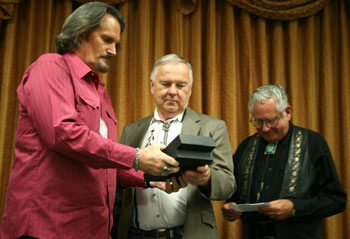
(175, 81)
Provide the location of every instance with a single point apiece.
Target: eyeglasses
(258, 123)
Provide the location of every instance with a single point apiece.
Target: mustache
(106, 57)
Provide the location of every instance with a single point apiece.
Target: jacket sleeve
(222, 182)
(327, 194)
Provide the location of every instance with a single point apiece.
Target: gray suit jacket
(200, 220)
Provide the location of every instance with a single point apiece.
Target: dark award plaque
(190, 150)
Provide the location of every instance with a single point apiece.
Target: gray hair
(84, 19)
(266, 92)
(170, 58)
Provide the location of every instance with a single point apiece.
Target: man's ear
(83, 36)
(151, 86)
(288, 111)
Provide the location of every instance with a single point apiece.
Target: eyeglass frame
(267, 122)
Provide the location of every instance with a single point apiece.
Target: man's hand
(152, 160)
(199, 177)
(229, 213)
(278, 209)
(170, 185)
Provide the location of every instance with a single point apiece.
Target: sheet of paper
(248, 207)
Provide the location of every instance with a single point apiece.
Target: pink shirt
(63, 180)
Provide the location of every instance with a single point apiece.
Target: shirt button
(154, 194)
(267, 187)
(270, 169)
(158, 215)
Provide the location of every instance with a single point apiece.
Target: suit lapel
(138, 131)
(191, 123)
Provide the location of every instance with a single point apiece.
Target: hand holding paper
(229, 213)
(248, 207)
(278, 209)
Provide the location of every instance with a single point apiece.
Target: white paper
(248, 207)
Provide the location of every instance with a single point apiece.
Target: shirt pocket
(111, 124)
(88, 111)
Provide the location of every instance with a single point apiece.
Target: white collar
(178, 117)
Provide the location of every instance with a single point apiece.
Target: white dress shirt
(156, 208)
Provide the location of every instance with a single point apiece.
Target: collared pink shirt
(63, 180)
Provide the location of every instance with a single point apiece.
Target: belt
(167, 233)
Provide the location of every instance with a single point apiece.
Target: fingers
(159, 185)
(153, 161)
(172, 185)
(203, 169)
(278, 209)
(169, 161)
(182, 182)
(199, 177)
(229, 213)
(169, 186)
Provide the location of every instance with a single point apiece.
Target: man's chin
(170, 110)
(270, 138)
(102, 65)
(103, 69)
(171, 107)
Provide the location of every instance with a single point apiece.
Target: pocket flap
(112, 116)
(89, 101)
(208, 218)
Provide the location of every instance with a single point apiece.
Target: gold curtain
(29, 33)
(232, 52)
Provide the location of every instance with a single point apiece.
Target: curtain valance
(7, 8)
(281, 9)
(106, 1)
(271, 9)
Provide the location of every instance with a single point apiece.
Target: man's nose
(112, 50)
(172, 90)
(264, 127)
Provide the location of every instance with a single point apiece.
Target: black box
(190, 150)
